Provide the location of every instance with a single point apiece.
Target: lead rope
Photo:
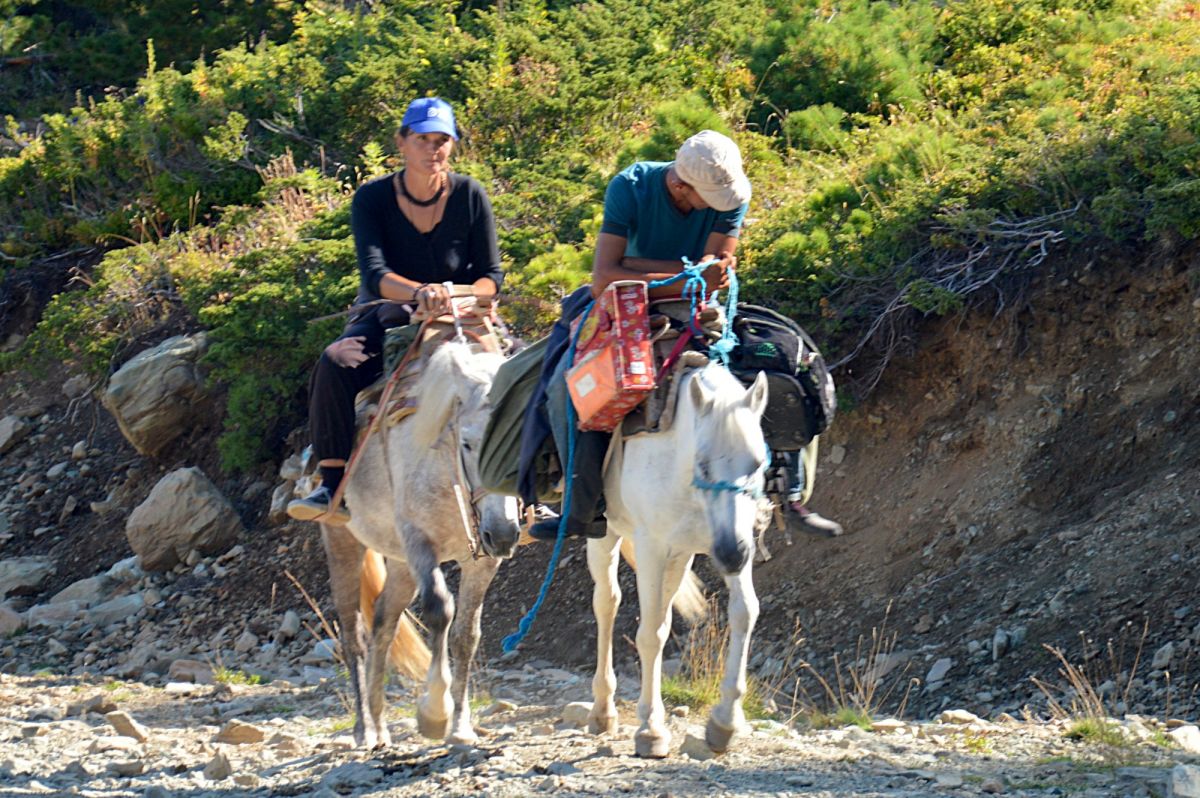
(511, 642)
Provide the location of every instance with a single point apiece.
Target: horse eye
(466, 446)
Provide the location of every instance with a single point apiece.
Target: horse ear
(756, 397)
(701, 396)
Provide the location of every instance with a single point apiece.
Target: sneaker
(815, 522)
(315, 507)
(547, 529)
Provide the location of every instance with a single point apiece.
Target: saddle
(407, 348)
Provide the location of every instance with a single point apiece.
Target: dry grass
(703, 654)
(861, 688)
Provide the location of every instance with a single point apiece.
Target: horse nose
(730, 553)
(500, 540)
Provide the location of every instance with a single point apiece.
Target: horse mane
(453, 372)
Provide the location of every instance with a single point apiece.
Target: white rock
(575, 714)
(325, 650)
(152, 397)
(960, 716)
(1162, 657)
(184, 511)
(887, 725)
(247, 641)
(79, 450)
(291, 469)
(126, 726)
(695, 748)
(10, 620)
(128, 768)
(1186, 737)
(76, 386)
(938, 672)
(218, 768)
(289, 627)
(57, 470)
(190, 670)
(102, 744)
(126, 570)
(13, 430)
(949, 780)
(1185, 781)
(89, 591)
(115, 610)
(837, 454)
(238, 732)
(282, 494)
(55, 614)
(23, 573)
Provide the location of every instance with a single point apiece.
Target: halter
(468, 508)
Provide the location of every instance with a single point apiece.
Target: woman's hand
(433, 299)
(348, 352)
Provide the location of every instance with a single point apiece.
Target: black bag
(801, 399)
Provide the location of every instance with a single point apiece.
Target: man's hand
(717, 274)
(348, 352)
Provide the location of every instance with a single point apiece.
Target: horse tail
(689, 601)
(408, 653)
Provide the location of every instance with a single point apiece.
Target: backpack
(801, 400)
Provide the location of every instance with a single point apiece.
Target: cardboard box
(614, 362)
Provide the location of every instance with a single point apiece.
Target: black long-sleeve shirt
(461, 249)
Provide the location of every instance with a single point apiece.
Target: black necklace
(437, 195)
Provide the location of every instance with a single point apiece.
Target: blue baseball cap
(430, 115)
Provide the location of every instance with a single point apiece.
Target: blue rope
(724, 345)
(511, 642)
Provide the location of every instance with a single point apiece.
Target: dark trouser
(587, 479)
(332, 389)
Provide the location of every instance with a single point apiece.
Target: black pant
(332, 389)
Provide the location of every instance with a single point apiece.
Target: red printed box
(614, 362)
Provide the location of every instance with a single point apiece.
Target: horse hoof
(463, 738)
(717, 737)
(432, 728)
(602, 724)
(651, 746)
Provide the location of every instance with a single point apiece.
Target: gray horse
(412, 503)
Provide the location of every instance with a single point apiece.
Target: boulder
(10, 621)
(152, 396)
(13, 430)
(184, 511)
(90, 591)
(23, 574)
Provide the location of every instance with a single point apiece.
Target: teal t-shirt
(638, 208)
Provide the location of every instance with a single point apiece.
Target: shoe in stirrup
(315, 507)
(815, 522)
(547, 529)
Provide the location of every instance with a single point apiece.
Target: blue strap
(513, 640)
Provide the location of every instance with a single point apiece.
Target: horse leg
(658, 580)
(435, 706)
(344, 555)
(464, 639)
(603, 559)
(727, 715)
(398, 592)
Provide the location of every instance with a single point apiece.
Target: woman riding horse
(413, 231)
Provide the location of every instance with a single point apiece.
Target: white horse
(692, 489)
(403, 503)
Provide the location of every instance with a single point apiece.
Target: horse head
(731, 456)
(453, 396)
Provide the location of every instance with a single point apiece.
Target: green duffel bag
(499, 456)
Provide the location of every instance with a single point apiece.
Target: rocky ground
(103, 737)
(1018, 484)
